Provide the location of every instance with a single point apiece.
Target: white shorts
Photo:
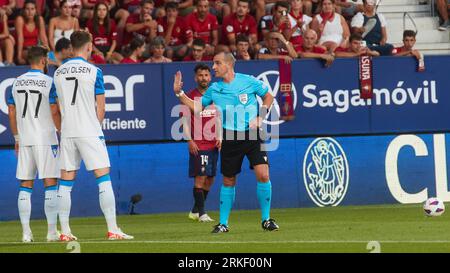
(92, 150)
(42, 160)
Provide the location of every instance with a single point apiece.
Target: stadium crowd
(159, 31)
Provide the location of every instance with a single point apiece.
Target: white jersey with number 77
(77, 83)
(31, 97)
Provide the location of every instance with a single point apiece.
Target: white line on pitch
(94, 241)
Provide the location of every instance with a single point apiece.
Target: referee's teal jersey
(236, 100)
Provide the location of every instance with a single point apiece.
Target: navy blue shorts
(203, 164)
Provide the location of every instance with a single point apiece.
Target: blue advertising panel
(305, 172)
(140, 99)
(134, 102)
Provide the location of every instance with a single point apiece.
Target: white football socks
(24, 204)
(64, 204)
(51, 208)
(107, 203)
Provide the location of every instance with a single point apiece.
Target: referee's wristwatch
(179, 94)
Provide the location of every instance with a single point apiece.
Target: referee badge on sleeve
(243, 98)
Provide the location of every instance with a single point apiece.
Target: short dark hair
(80, 38)
(281, 4)
(199, 42)
(246, 1)
(409, 33)
(356, 36)
(171, 5)
(61, 44)
(201, 66)
(143, 2)
(242, 38)
(36, 53)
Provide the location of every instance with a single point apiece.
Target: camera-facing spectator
(63, 25)
(133, 51)
(30, 31)
(372, 26)
(157, 48)
(197, 52)
(357, 48)
(175, 32)
(6, 42)
(115, 11)
(409, 40)
(310, 7)
(104, 34)
(204, 25)
(310, 49)
(331, 27)
(243, 50)
(297, 24)
(141, 24)
(240, 22)
(277, 48)
(274, 21)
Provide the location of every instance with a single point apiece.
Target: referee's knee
(263, 178)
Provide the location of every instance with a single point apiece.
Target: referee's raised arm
(195, 106)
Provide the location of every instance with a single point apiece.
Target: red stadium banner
(365, 76)
(286, 100)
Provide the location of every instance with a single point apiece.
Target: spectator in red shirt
(240, 22)
(30, 31)
(175, 32)
(275, 21)
(243, 50)
(6, 41)
(297, 24)
(104, 34)
(117, 13)
(133, 51)
(409, 40)
(355, 49)
(204, 25)
(142, 24)
(310, 49)
(277, 48)
(197, 52)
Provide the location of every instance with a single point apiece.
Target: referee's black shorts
(235, 146)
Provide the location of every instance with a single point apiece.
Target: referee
(232, 95)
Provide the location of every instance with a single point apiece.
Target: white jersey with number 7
(77, 82)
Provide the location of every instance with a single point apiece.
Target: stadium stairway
(430, 40)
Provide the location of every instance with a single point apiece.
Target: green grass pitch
(397, 228)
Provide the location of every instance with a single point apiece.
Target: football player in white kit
(81, 98)
(33, 114)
